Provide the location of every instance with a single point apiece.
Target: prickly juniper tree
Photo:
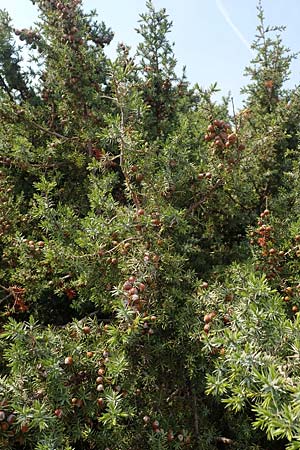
(88, 246)
(252, 319)
(127, 199)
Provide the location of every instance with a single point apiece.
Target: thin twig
(26, 166)
(52, 133)
(107, 252)
(196, 205)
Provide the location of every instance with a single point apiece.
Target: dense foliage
(149, 241)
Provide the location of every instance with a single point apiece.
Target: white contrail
(226, 16)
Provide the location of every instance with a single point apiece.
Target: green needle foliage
(149, 242)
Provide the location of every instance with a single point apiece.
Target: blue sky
(210, 36)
